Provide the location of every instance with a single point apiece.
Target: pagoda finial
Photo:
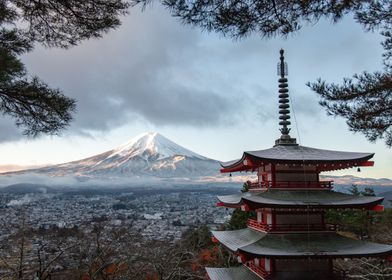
(284, 112)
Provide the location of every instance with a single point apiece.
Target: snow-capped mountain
(149, 154)
(153, 146)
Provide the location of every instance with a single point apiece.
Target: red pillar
(273, 175)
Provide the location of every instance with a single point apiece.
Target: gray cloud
(142, 71)
(153, 69)
(8, 130)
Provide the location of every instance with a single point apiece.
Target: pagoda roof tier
(299, 199)
(231, 273)
(296, 154)
(243, 273)
(298, 245)
(236, 239)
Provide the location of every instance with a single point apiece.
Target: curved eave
(297, 155)
(299, 199)
(316, 245)
(307, 160)
(361, 202)
(231, 201)
(235, 239)
(231, 273)
(234, 166)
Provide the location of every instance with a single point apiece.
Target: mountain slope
(149, 154)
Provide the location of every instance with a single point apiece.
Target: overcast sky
(210, 94)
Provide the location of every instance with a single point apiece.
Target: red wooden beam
(366, 163)
(273, 175)
(249, 162)
(235, 169)
(222, 204)
(378, 208)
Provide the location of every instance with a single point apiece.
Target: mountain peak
(148, 154)
(152, 144)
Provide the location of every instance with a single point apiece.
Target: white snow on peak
(150, 144)
(147, 155)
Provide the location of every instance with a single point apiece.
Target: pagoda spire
(284, 106)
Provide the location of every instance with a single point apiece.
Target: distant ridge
(148, 154)
(350, 180)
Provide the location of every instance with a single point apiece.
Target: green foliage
(31, 102)
(354, 190)
(239, 218)
(365, 101)
(356, 221)
(62, 23)
(363, 223)
(386, 217)
(263, 17)
(245, 187)
(368, 192)
(34, 105)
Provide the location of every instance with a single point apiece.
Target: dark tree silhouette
(265, 17)
(365, 100)
(34, 105)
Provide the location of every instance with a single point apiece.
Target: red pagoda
(289, 238)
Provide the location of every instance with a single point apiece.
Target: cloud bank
(144, 71)
(155, 70)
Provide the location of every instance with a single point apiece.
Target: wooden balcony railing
(292, 185)
(255, 185)
(258, 270)
(290, 227)
(258, 226)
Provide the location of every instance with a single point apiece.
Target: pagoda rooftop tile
(231, 273)
(314, 245)
(300, 198)
(233, 199)
(236, 239)
(298, 245)
(297, 154)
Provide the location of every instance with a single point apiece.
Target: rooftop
(294, 245)
(291, 154)
(231, 273)
(300, 198)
